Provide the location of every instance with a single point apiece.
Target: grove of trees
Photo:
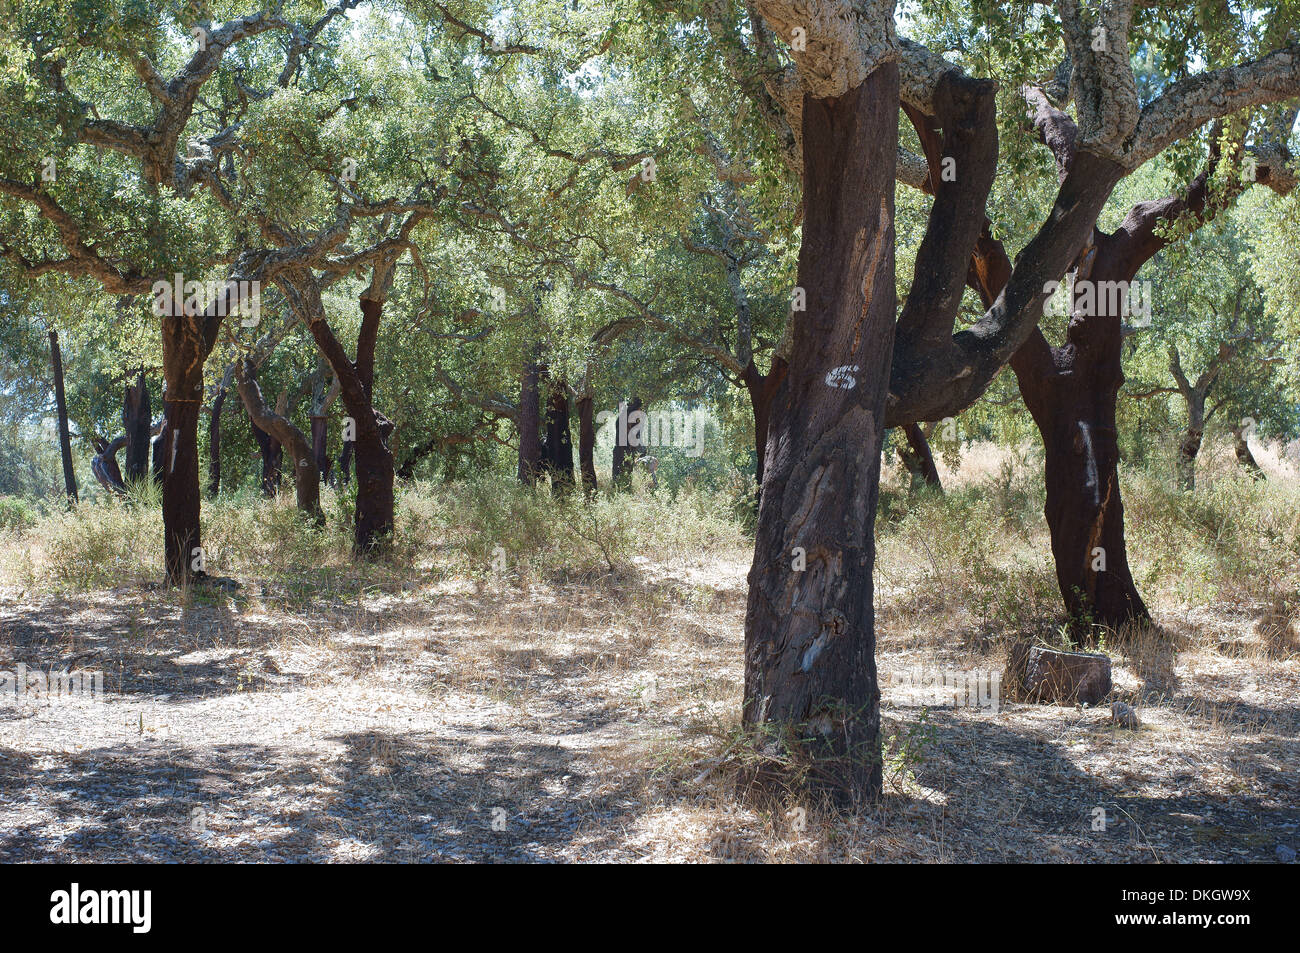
(412, 237)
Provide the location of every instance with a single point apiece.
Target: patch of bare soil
(595, 721)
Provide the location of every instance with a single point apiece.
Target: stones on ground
(1039, 674)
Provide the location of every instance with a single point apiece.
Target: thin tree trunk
(587, 443)
(810, 671)
(104, 465)
(322, 399)
(761, 388)
(1245, 459)
(376, 503)
(1188, 448)
(530, 424)
(345, 462)
(1190, 444)
(214, 434)
(272, 457)
(65, 438)
(626, 445)
(919, 460)
(157, 445)
(137, 421)
(558, 456)
(187, 341)
(306, 478)
(320, 447)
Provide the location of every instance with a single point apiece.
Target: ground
(583, 704)
(482, 721)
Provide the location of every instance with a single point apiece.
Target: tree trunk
(376, 503)
(186, 344)
(810, 671)
(322, 399)
(1188, 447)
(306, 478)
(345, 462)
(1245, 459)
(761, 389)
(558, 453)
(919, 461)
(214, 434)
(1071, 392)
(1074, 407)
(65, 438)
(214, 445)
(530, 424)
(587, 443)
(320, 447)
(272, 457)
(1190, 444)
(157, 445)
(104, 465)
(137, 422)
(626, 445)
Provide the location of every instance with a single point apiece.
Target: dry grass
(562, 711)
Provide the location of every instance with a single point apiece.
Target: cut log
(1041, 674)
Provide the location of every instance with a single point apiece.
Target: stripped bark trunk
(587, 443)
(374, 461)
(272, 458)
(1245, 459)
(530, 424)
(214, 433)
(761, 388)
(136, 423)
(627, 444)
(919, 460)
(345, 462)
(323, 399)
(187, 342)
(376, 503)
(104, 464)
(557, 457)
(61, 403)
(306, 478)
(810, 671)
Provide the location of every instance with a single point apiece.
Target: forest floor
(481, 724)
(594, 719)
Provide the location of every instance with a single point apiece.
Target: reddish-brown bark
(137, 421)
(61, 404)
(557, 452)
(761, 388)
(306, 478)
(530, 425)
(810, 675)
(587, 443)
(626, 446)
(918, 459)
(187, 340)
